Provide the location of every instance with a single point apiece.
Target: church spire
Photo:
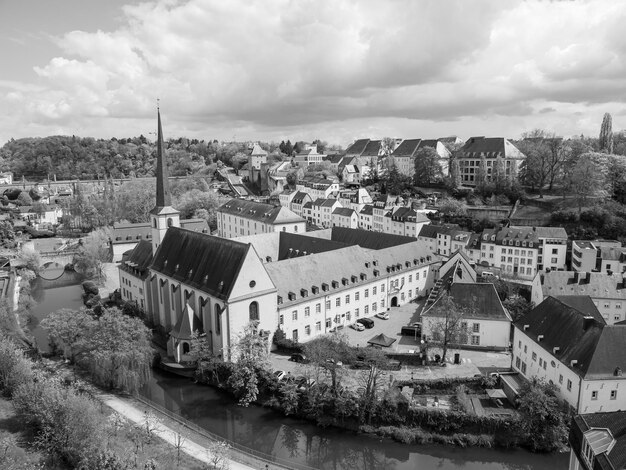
(163, 196)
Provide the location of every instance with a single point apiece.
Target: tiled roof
(521, 234)
(407, 148)
(299, 197)
(266, 213)
(292, 245)
(187, 323)
(481, 301)
(588, 347)
(344, 212)
(613, 254)
(550, 232)
(432, 143)
(432, 230)
(207, 263)
(599, 285)
(614, 422)
(138, 260)
(367, 210)
(357, 147)
(258, 151)
(474, 241)
(351, 168)
(368, 239)
(490, 146)
(130, 233)
(372, 149)
(583, 304)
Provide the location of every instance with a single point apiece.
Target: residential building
(598, 255)
(404, 221)
(6, 178)
(513, 251)
(345, 217)
(320, 212)
(404, 155)
(444, 239)
(354, 198)
(363, 152)
(299, 199)
(381, 206)
(239, 217)
(365, 217)
(491, 149)
(308, 157)
(608, 291)
(317, 187)
(552, 248)
(598, 441)
(351, 174)
(568, 343)
(485, 323)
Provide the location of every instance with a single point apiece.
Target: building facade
(239, 217)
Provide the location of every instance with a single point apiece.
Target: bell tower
(163, 216)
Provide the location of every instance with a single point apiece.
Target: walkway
(134, 411)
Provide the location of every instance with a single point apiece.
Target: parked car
(392, 364)
(360, 365)
(279, 374)
(299, 358)
(332, 361)
(383, 315)
(366, 322)
(357, 326)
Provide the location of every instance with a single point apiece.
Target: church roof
(207, 263)
(186, 324)
(368, 239)
(259, 211)
(138, 260)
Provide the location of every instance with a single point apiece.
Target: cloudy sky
(305, 69)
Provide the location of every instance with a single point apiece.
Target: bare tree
(219, 456)
(449, 324)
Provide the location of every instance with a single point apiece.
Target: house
(365, 217)
(404, 221)
(363, 152)
(598, 441)
(320, 212)
(608, 291)
(552, 248)
(345, 217)
(258, 167)
(6, 178)
(491, 149)
(598, 255)
(439, 237)
(299, 199)
(404, 155)
(513, 251)
(335, 161)
(351, 174)
(354, 198)
(317, 187)
(568, 343)
(485, 323)
(239, 217)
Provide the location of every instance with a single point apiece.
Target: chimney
(587, 322)
(539, 338)
(555, 350)
(573, 362)
(526, 327)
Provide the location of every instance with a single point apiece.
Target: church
(306, 284)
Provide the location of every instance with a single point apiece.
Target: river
(271, 433)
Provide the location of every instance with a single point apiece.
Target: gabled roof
(344, 212)
(480, 299)
(407, 148)
(367, 210)
(583, 304)
(138, 260)
(521, 234)
(357, 147)
(549, 232)
(490, 146)
(292, 245)
(186, 324)
(432, 230)
(368, 239)
(210, 264)
(585, 345)
(372, 149)
(351, 169)
(259, 211)
(615, 422)
(299, 197)
(257, 151)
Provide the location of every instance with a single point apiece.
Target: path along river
(271, 433)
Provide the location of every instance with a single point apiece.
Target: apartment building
(491, 149)
(345, 217)
(404, 155)
(317, 188)
(570, 345)
(239, 217)
(598, 255)
(514, 251)
(404, 221)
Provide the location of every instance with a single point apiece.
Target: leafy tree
(292, 178)
(69, 330)
(396, 182)
(15, 369)
(517, 306)
(388, 145)
(252, 353)
(451, 207)
(606, 134)
(449, 325)
(499, 178)
(588, 178)
(544, 417)
(197, 203)
(24, 199)
(327, 353)
(118, 353)
(95, 251)
(481, 175)
(371, 381)
(616, 177)
(454, 181)
(134, 200)
(7, 234)
(427, 167)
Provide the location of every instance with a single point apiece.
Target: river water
(271, 433)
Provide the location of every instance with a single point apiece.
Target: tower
(163, 216)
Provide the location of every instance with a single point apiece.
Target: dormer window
(367, 264)
(304, 292)
(376, 272)
(353, 279)
(375, 262)
(279, 300)
(325, 287)
(315, 289)
(344, 281)
(530, 244)
(363, 276)
(335, 284)
(291, 296)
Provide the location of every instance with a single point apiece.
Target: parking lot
(472, 362)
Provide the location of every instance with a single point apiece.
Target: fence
(242, 454)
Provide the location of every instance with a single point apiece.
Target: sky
(337, 70)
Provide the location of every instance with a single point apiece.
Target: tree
(252, 353)
(427, 167)
(119, 352)
(395, 182)
(135, 199)
(499, 178)
(327, 353)
(7, 234)
(616, 177)
(544, 417)
(454, 180)
(452, 208)
(606, 134)
(517, 306)
(95, 251)
(481, 175)
(197, 203)
(24, 199)
(588, 178)
(371, 381)
(69, 330)
(449, 325)
(388, 145)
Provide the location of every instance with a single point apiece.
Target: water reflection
(265, 431)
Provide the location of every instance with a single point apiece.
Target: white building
(317, 188)
(512, 251)
(365, 217)
(404, 221)
(239, 217)
(491, 149)
(569, 345)
(598, 255)
(404, 155)
(552, 248)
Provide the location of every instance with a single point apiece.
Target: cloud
(263, 66)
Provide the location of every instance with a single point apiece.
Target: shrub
(15, 369)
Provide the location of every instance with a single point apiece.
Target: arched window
(218, 323)
(170, 222)
(154, 222)
(185, 348)
(254, 311)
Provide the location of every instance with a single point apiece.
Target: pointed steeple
(163, 196)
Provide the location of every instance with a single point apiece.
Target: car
(357, 326)
(299, 358)
(383, 315)
(332, 361)
(366, 322)
(279, 374)
(360, 365)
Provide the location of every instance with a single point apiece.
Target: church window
(170, 222)
(254, 311)
(154, 223)
(218, 321)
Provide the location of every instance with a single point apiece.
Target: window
(347, 299)
(410, 277)
(318, 308)
(294, 315)
(560, 378)
(374, 290)
(613, 394)
(523, 368)
(569, 384)
(338, 302)
(328, 305)
(476, 340)
(545, 365)
(218, 323)
(374, 307)
(318, 326)
(294, 336)
(540, 362)
(594, 394)
(366, 309)
(307, 311)
(554, 260)
(367, 293)
(534, 356)
(519, 344)
(476, 327)
(254, 311)
(356, 313)
(328, 323)
(517, 362)
(307, 330)
(525, 348)
(382, 287)
(356, 296)
(282, 320)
